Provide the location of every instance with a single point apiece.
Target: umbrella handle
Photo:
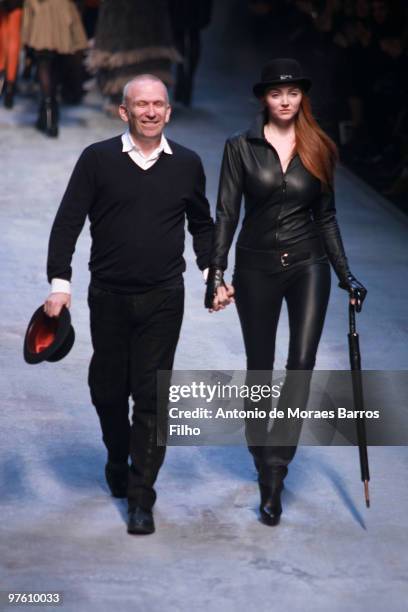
(352, 318)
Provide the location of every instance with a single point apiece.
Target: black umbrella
(355, 364)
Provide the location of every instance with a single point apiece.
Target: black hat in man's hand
(48, 338)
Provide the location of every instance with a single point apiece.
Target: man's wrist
(60, 285)
(205, 274)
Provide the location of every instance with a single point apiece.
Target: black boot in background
(8, 93)
(47, 121)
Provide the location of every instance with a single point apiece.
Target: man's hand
(224, 297)
(55, 302)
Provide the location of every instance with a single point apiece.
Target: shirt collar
(128, 144)
(256, 130)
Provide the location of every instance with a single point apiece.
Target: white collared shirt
(144, 162)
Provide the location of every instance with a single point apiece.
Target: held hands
(218, 294)
(55, 303)
(223, 298)
(356, 290)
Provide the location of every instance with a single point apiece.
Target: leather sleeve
(324, 214)
(228, 203)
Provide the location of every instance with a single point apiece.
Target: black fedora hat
(48, 338)
(281, 71)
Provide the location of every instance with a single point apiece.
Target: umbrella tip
(367, 498)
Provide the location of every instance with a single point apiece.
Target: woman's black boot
(47, 121)
(271, 488)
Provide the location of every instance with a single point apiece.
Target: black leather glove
(355, 288)
(215, 279)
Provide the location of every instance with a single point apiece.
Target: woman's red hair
(315, 148)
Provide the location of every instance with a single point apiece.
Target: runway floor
(60, 529)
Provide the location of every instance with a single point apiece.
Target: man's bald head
(138, 82)
(145, 108)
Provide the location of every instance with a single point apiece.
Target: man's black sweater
(137, 218)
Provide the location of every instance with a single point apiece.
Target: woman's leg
(48, 112)
(307, 299)
(11, 32)
(13, 43)
(46, 73)
(259, 300)
(258, 297)
(2, 49)
(307, 295)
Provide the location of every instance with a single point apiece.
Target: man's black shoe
(271, 511)
(117, 478)
(271, 506)
(140, 521)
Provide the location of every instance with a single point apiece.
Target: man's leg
(153, 345)
(109, 370)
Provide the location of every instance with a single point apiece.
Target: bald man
(137, 190)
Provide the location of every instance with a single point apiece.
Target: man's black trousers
(133, 336)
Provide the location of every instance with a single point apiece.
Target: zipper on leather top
(284, 183)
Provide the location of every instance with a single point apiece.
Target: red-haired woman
(284, 166)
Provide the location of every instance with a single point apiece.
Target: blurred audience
(90, 12)
(131, 38)
(370, 38)
(188, 18)
(356, 51)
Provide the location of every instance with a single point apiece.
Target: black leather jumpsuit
(289, 233)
